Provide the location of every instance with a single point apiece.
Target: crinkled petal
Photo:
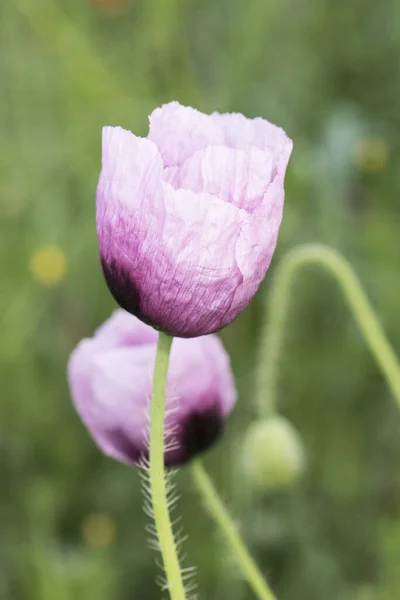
(239, 131)
(129, 193)
(179, 131)
(201, 276)
(130, 213)
(239, 177)
(256, 244)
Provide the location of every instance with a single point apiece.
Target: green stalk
(157, 472)
(272, 336)
(220, 515)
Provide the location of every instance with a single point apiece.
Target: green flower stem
(219, 513)
(157, 474)
(272, 337)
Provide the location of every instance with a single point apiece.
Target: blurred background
(71, 520)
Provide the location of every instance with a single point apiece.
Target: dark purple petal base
(123, 288)
(126, 292)
(196, 433)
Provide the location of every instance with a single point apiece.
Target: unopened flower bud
(273, 454)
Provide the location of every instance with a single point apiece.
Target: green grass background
(328, 72)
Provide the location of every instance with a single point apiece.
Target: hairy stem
(219, 513)
(157, 474)
(272, 337)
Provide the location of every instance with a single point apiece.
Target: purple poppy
(188, 218)
(110, 377)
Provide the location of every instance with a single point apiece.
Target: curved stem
(157, 475)
(219, 513)
(364, 315)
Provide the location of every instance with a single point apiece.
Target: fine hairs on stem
(272, 336)
(157, 480)
(220, 515)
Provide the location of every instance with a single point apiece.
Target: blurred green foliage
(71, 520)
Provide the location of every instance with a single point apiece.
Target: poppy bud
(273, 454)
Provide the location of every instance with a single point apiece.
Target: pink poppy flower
(110, 378)
(188, 218)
